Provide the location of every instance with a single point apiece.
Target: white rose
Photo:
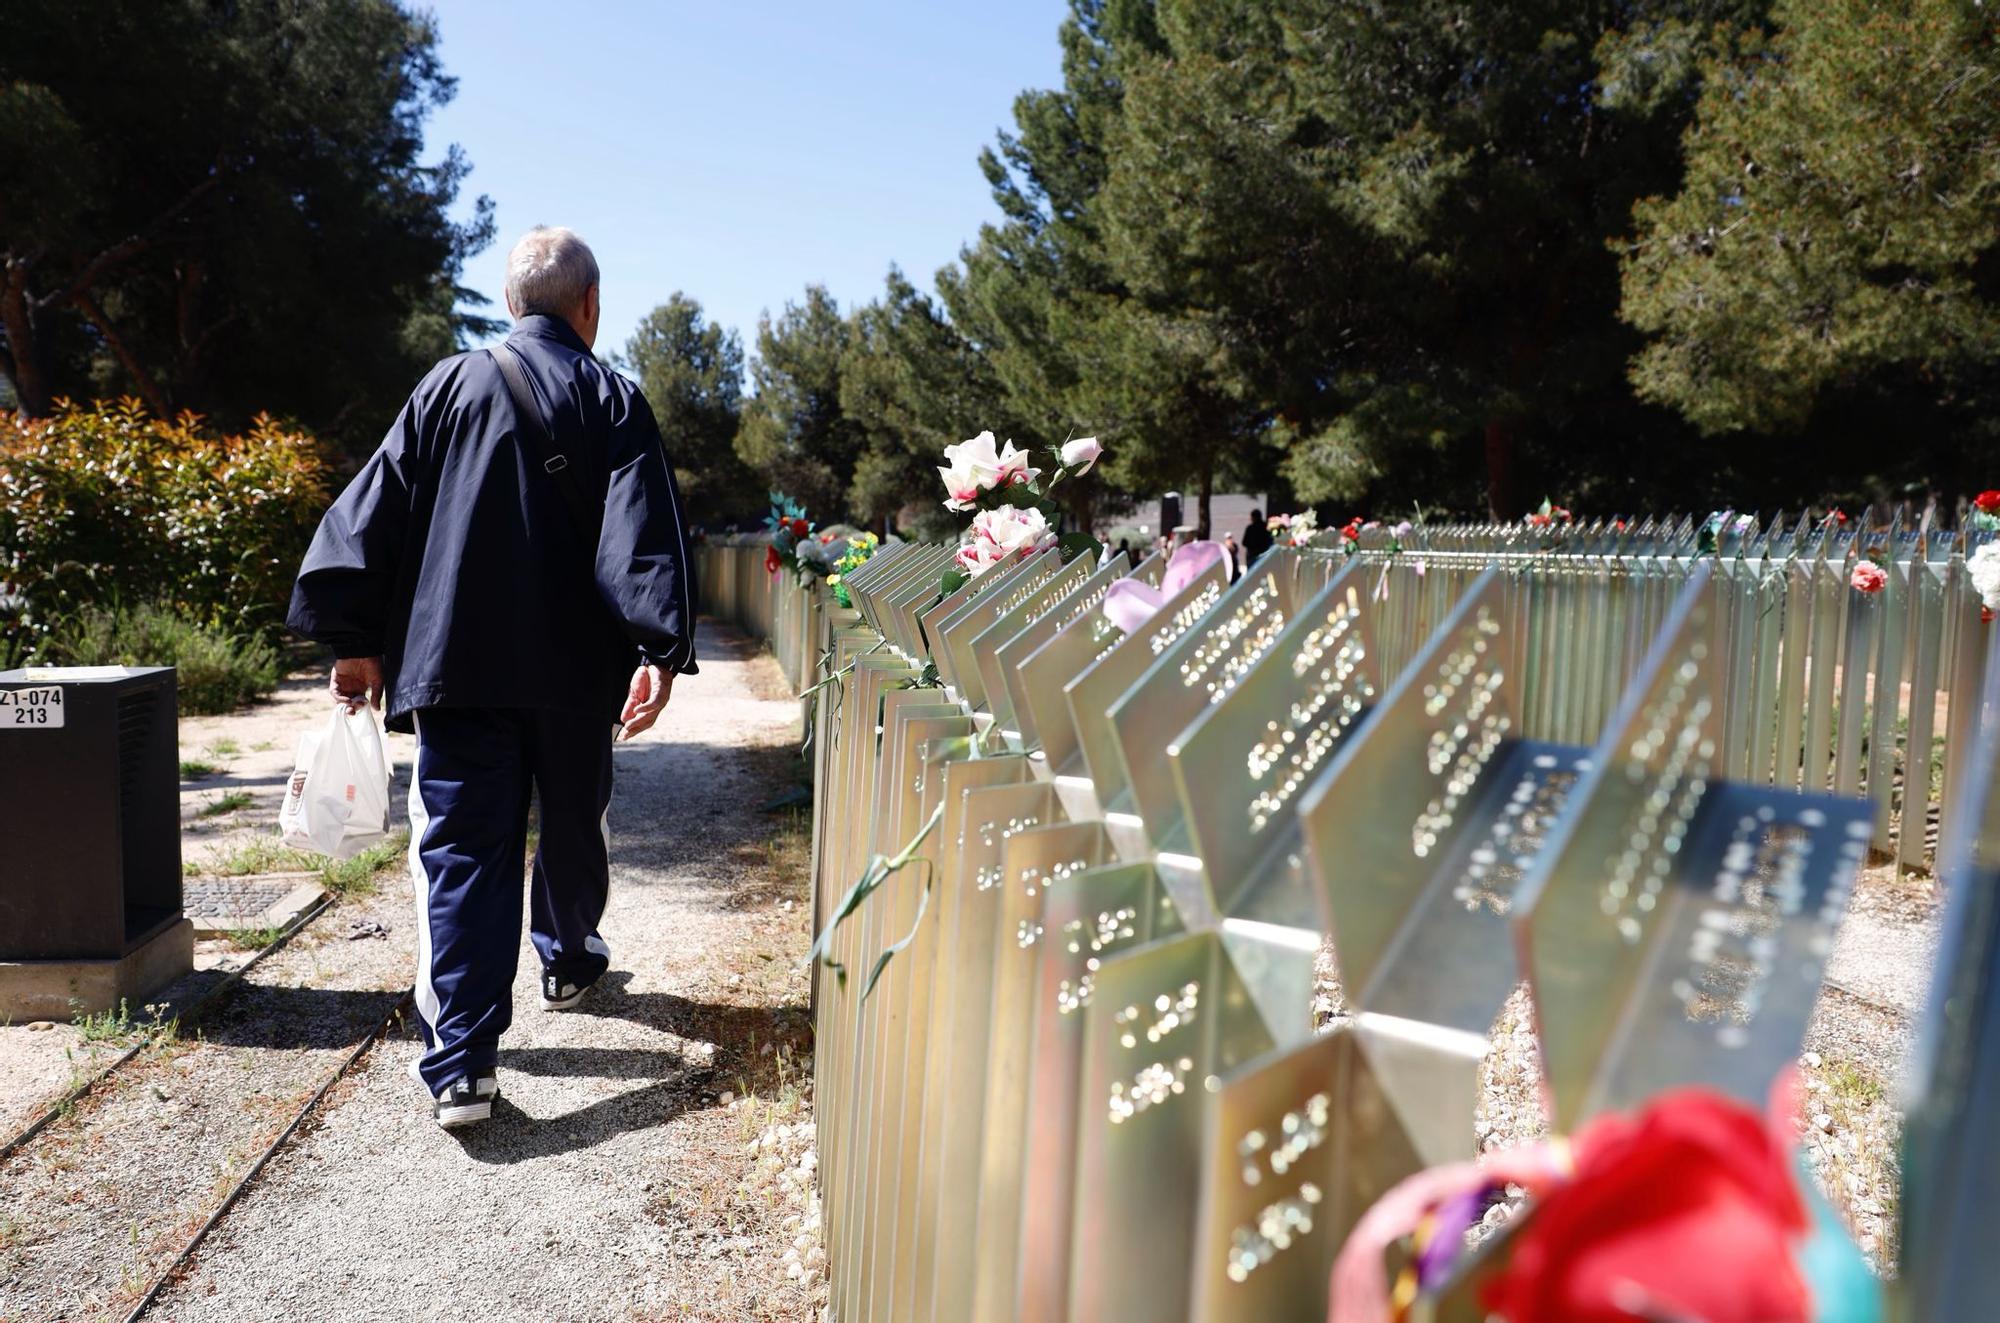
(1985, 570)
(979, 556)
(1012, 530)
(970, 468)
(1082, 451)
(1014, 466)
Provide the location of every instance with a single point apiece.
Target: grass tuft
(193, 769)
(232, 802)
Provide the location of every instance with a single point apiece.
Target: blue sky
(738, 151)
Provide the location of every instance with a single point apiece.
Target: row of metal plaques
(1087, 1083)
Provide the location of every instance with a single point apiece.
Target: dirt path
(651, 1158)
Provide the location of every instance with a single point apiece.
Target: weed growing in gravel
(263, 855)
(119, 1026)
(357, 876)
(193, 769)
(252, 939)
(224, 748)
(230, 803)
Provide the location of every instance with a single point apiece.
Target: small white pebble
(1823, 1121)
(1812, 1060)
(727, 1098)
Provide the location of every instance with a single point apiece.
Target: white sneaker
(465, 1101)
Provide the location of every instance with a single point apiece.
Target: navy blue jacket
(453, 557)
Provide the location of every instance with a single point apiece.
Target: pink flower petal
(1130, 603)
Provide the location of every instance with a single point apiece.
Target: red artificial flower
(1618, 525)
(1835, 517)
(1985, 615)
(1987, 502)
(1353, 530)
(1686, 1210)
(772, 561)
(1868, 577)
(799, 526)
(1539, 520)
(1560, 512)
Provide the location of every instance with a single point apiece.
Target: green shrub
(105, 503)
(218, 671)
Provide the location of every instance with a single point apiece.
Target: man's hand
(357, 680)
(651, 688)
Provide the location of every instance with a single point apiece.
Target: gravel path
(616, 1180)
(650, 1158)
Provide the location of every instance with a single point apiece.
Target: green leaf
(953, 580)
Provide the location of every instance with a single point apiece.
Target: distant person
(1235, 555)
(1256, 538)
(1125, 545)
(513, 552)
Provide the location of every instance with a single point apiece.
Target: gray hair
(548, 272)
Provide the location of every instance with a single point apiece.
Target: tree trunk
(1203, 529)
(26, 370)
(1503, 496)
(149, 390)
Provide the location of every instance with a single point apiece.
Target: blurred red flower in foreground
(772, 561)
(1685, 1210)
(1987, 502)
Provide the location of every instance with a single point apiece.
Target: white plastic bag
(338, 800)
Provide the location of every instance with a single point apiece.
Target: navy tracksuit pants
(469, 795)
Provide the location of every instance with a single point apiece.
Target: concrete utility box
(90, 853)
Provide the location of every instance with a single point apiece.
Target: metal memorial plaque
(907, 988)
(1197, 671)
(1162, 1022)
(1240, 767)
(958, 661)
(918, 566)
(912, 718)
(993, 815)
(1077, 633)
(1085, 920)
(1034, 861)
(1299, 1144)
(957, 607)
(956, 881)
(1423, 826)
(1676, 927)
(1119, 664)
(1950, 1154)
(987, 646)
(1007, 661)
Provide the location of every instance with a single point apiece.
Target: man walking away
(1256, 538)
(499, 567)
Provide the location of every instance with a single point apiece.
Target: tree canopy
(225, 208)
(1458, 254)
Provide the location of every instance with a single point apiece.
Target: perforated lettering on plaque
(1197, 670)
(1088, 919)
(1164, 1020)
(1421, 831)
(1678, 925)
(1119, 664)
(1239, 769)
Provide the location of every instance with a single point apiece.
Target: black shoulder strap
(535, 429)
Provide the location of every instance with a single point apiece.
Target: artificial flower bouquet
(1014, 515)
